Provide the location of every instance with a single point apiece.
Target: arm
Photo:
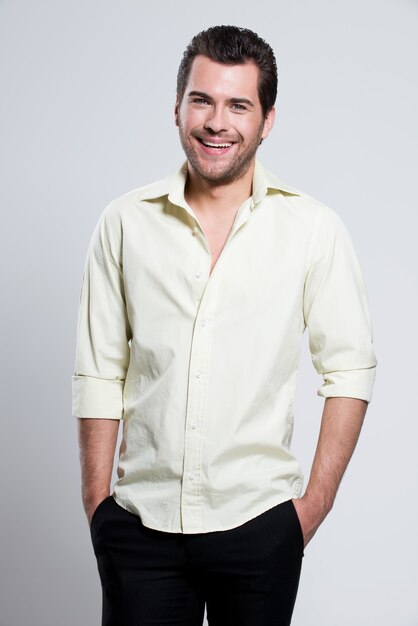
(340, 338)
(97, 440)
(341, 423)
(102, 359)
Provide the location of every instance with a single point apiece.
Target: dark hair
(233, 45)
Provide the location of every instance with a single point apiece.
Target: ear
(176, 111)
(269, 122)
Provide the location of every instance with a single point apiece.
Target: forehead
(221, 80)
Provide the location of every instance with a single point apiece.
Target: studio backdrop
(88, 91)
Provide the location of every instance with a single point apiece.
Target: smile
(217, 146)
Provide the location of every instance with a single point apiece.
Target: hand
(310, 516)
(91, 506)
(90, 511)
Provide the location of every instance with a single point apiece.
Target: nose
(216, 121)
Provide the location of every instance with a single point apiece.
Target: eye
(200, 101)
(238, 107)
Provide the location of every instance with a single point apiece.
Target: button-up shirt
(201, 367)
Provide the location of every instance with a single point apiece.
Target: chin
(215, 176)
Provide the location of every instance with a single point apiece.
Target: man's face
(220, 119)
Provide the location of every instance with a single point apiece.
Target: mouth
(218, 146)
(215, 147)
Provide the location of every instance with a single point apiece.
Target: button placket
(195, 413)
(203, 257)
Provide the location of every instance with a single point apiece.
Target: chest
(216, 236)
(168, 268)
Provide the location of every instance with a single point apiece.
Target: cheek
(249, 131)
(190, 119)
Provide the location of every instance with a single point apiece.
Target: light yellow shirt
(201, 368)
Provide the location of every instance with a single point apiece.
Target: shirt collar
(264, 181)
(173, 186)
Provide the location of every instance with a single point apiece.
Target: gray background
(86, 115)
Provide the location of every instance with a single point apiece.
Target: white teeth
(216, 145)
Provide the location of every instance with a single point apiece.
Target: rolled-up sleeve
(337, 314)
(103, 330)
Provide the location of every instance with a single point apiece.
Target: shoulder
(133, 198)
(322, 217)
(116, 215)
(306, 206)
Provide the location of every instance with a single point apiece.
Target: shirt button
(194, 425)
(199, 274)
(191, 477)
(203, 323)
(198, 374)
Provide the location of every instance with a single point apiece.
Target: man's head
(227, 85)
(232, 45)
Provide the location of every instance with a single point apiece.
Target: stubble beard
(233, 170)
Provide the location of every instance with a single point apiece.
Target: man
(196, 292)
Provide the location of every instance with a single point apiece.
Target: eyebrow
(202, 94)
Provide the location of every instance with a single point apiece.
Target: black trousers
(247, 576)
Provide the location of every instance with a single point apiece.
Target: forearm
(97, 441)
(341, 424)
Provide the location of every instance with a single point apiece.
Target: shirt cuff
(349, 384)
(97, 397)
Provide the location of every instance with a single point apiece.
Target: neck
(209, 197)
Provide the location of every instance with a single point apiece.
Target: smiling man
(196, 292)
